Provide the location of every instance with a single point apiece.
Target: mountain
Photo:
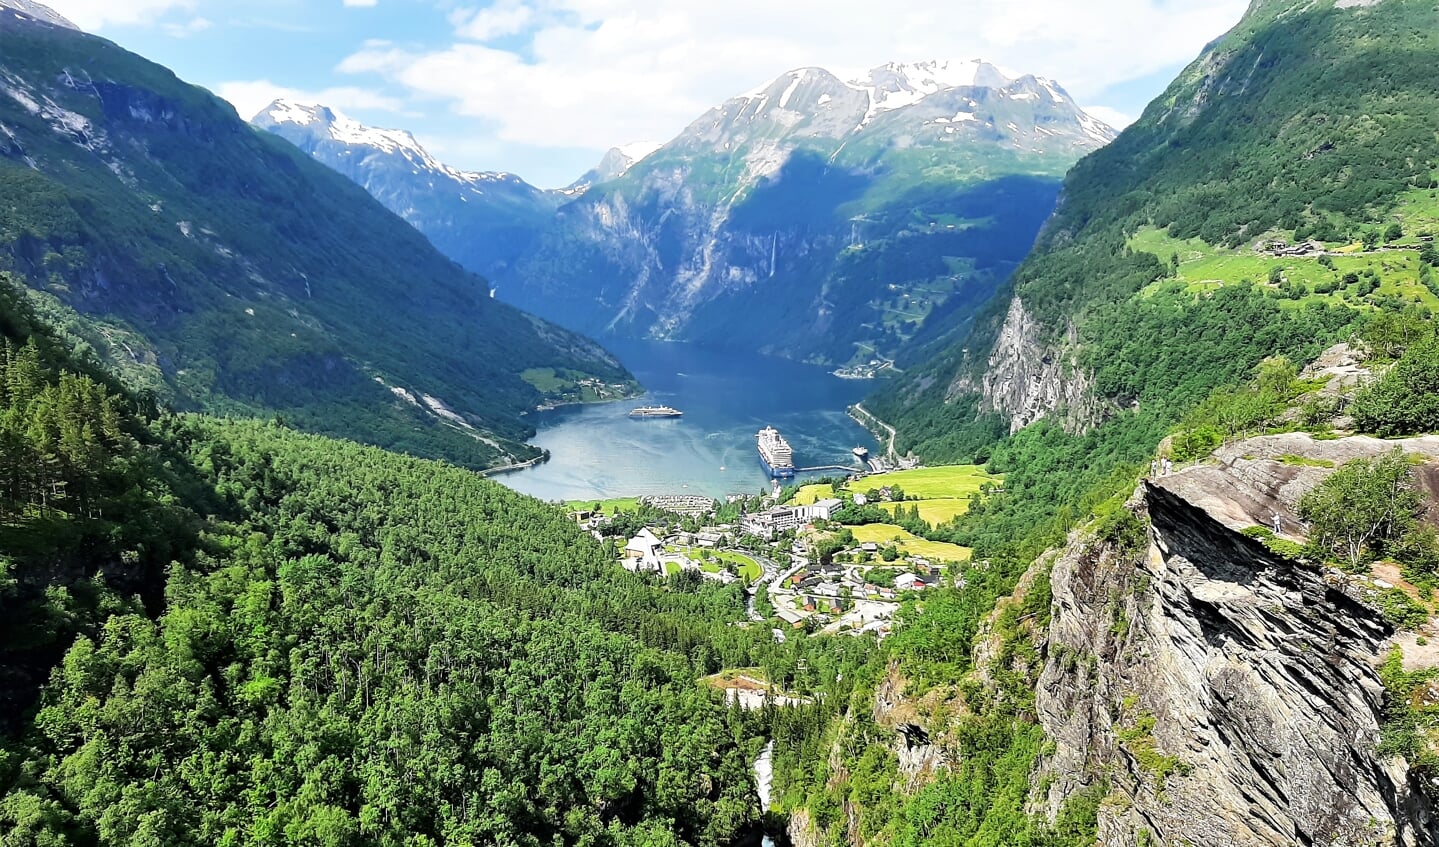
(1298, 128)
(1184, 387)
(820, 216)
(39, 12)
(481, 220)
(222, 269)
(615, 164)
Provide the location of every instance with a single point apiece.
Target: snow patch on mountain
(343, 129)
(638, 151)
(39, 12)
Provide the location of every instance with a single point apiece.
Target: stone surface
(1028, 378)
(1228, 695)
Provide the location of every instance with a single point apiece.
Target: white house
(642, 553)
(909, 582)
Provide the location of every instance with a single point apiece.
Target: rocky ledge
(1224, 694)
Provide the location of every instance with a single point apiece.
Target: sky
(542, 88)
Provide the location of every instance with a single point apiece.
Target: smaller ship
(861, 453)
(656, 412)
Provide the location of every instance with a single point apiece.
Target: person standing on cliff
(1278, 523)
(1168, 466)
(1153, 468)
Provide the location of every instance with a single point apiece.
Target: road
(889, 450)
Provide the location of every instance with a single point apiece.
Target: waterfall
(763, 779)
(764, 775)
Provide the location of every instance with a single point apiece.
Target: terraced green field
(1203, 267)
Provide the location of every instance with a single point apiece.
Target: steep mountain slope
(225, 270)
(1309, 124)
(1204, 658)
(817, 217)
(481, 220)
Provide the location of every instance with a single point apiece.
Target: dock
(822, 468)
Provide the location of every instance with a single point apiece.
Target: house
(642, 553)
(821, 510)
(708, 538)
(909, 582)
(860, 500)
(869, 547)
(789, 616)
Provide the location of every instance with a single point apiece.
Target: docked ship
(656, 412)
(775, 453)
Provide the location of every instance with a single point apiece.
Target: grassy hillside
(1314, 124)
(240, 276)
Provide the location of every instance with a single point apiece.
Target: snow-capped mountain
(950, 104)
(481, 219)
(824, 214)
(39, 12)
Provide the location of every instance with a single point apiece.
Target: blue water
(598, 451)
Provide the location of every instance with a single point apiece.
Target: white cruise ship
(775, 453)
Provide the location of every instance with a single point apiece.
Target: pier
(822, 468)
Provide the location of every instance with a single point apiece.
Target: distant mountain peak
(39, 12)
(616, 163)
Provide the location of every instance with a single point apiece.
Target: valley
(310, 537)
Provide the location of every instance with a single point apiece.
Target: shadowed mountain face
(819, 218)
(829, 219)
(222, 269)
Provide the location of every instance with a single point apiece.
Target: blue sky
(542, 88)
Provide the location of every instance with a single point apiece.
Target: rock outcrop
(1029, 378)
(1225, 694)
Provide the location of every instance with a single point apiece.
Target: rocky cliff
(1225, 694)
(1029, 377)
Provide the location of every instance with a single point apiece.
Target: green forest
(227, 632)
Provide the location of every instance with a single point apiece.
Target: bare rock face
(1228, 695)
(1027, 379)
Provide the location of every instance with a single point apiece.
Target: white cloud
(188, 28)
(98, 14)
(250, 96)
(598, 72)
(505, 17)
(360, 4)
(1111, 116)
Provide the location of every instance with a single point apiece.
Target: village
(810, 559)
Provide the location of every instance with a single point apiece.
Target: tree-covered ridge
(179, 238)
(280, 638)
(1156, 274)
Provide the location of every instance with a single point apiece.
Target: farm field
(945, 482)
(934, 512)
(937, 551)
(1204, 267)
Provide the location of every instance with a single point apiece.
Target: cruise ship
(656, 412)
(775, 453)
